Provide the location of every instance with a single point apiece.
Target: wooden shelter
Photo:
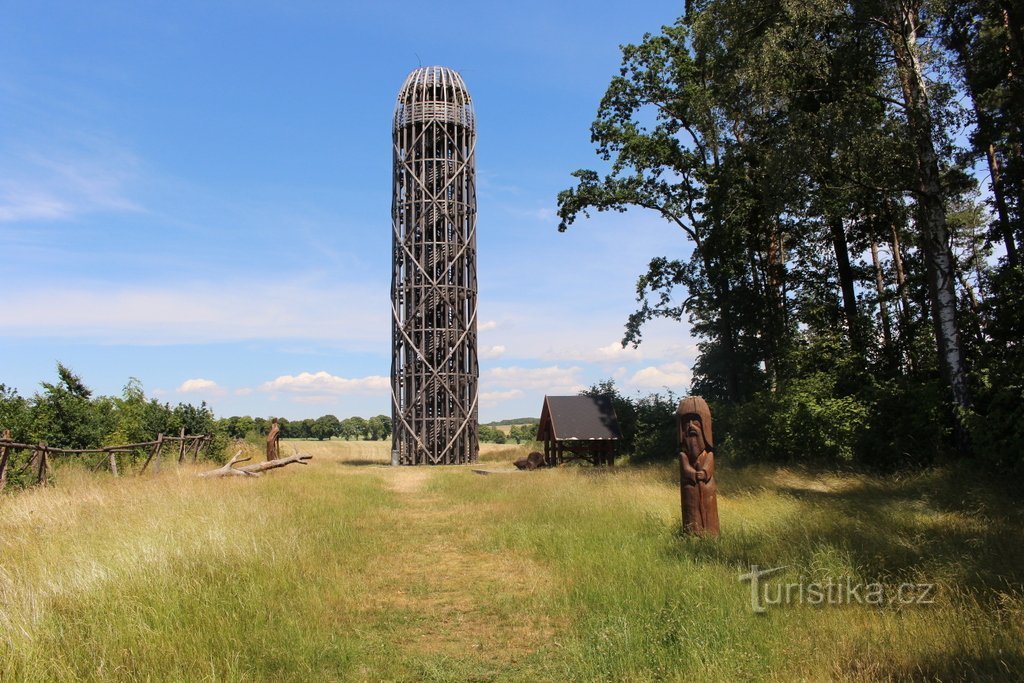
(579, 428)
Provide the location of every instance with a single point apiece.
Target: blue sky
(198, 195)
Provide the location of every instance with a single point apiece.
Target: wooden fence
(39, 462)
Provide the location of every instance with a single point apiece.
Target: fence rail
(38, 462)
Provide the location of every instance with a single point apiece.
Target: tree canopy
(843, 261)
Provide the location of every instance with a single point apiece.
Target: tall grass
(350, 570)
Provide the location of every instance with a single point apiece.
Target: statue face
(693, 436)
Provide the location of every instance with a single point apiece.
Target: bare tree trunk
(938, 257)
(883, 309)
(901, 273)
(1002, 214)
(846, 285)
(1012, 19)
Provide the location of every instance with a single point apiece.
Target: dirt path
(452, 597)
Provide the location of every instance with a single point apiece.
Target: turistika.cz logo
(832, 593)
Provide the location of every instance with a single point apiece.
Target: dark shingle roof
(579, 417)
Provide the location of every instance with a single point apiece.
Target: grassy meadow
(351, 570)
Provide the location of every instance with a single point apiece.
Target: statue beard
(694, 443)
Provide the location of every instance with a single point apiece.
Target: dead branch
(229, 469)
(255, 469)
(299, 458)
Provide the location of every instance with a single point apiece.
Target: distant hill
(515, 421)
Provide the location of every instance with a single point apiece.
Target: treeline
(67, 414)
(519, 433)
(325, 427)
(514, 421)
(854, 283)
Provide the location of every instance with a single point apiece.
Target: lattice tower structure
(434, 364)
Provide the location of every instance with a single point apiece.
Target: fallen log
(254, 470)
(229, 469)
(300, 458)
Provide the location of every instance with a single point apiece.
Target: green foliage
(15, 414)
(785, 143)
(523, 432)
(354, 428)
(64, 416)
(806, 423)
(238, 426)
(647, 423)
(379, 427)
(997, 421)
(325, 427)
(490, 434)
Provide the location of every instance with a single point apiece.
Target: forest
(847, 181)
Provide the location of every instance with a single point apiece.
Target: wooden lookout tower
(434, 366)
(579, 428)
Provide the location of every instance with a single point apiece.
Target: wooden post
(5, 453)
(181, 447)
(158, 456)
(154, 452)
(41, 476)
(113, 463)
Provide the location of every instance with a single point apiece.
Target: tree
(647, 422)
(786, 141)
(194, 419)
(325, 427)
(379, 427)
(136, 420)
(262, 425)
(901, 20)
(238, 426)
(523, 432)
(14, 414)
(490, 434)
(63, 415)
(354, 428)
(303, 429)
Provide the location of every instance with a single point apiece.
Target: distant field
(349, 569)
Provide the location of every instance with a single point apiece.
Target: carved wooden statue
(272, 440)
(697, 467)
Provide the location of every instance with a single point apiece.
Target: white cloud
(199, 386)
(492, 352)
(62, 186)
(611, 353)
(198, 312)
(490, 399)
(542, 214)
(549, 380)
(671, 375)
(487, 325)
(316, 385)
